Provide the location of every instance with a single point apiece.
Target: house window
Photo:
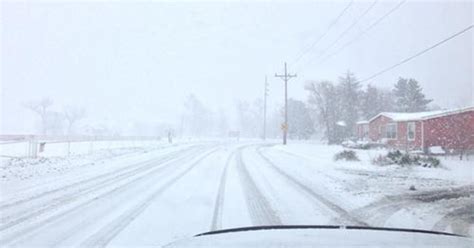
(391, 131)
(411, 130)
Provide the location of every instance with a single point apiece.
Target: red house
(449, 129)
(363, 130)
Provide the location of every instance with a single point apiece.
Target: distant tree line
(336, 107)
(55, 122)
(199, 120)
(331, 111)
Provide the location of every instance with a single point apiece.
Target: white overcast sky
(126, 61)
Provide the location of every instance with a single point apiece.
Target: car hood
(323, 236)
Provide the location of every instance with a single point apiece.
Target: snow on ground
(382, 194)
(151, 196)
(19, 173)
(367, 176)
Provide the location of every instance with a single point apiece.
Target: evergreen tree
(409, 96)
(349, 91)
(386, 101)
(370, 102)
(375, 100)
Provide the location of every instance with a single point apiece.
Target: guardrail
(33, 145)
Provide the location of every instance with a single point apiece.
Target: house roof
(421, 115)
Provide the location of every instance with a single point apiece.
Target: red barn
(449, 129)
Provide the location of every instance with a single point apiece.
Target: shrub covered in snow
(363, 145)
(346, 155)
(406, 159)
(382, 160)
(394, 156)
(430, 162)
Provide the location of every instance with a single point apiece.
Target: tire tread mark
(218, 206)
(21, 233)
(459, 219)
(260, 209)
(36, 211)
(107, 233)
(379, 212)
(338, 210)
(28, 200)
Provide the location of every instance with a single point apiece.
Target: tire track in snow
(260, 209)
(16, 203)
(110, 231)
(218, 206)
(31, 229)
(460, 220)
(321, 172)
(342, 213)
(34, 211)
(379, 212)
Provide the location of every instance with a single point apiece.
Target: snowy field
(156, 194)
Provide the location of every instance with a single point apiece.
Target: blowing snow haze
(345, 123)
(138, 68)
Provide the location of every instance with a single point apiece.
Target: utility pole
(285, 78)
(265, 94)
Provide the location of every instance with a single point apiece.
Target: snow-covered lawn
(365, 178)
(381, 194)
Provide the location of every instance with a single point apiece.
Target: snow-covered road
(159, 196)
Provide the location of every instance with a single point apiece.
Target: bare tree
(249, 117)
(323, 103)
(299, 120)
(54, 123)
(197, 117)
(72, 115)
(41, 108)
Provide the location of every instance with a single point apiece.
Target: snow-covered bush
(346, 155)
(382, 160)
(394, 156)
(363, 145)
(429, 162)
(406, 159)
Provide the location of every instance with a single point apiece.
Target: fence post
(33, 150)
(91, 146)
(68, 148)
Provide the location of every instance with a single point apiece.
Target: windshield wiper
(286, 227)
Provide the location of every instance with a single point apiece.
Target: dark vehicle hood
(323, 236)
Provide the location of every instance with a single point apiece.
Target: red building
(449, 129)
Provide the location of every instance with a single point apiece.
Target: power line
(331, 25)
(418, 54)
(391, 11)
(349, 27)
